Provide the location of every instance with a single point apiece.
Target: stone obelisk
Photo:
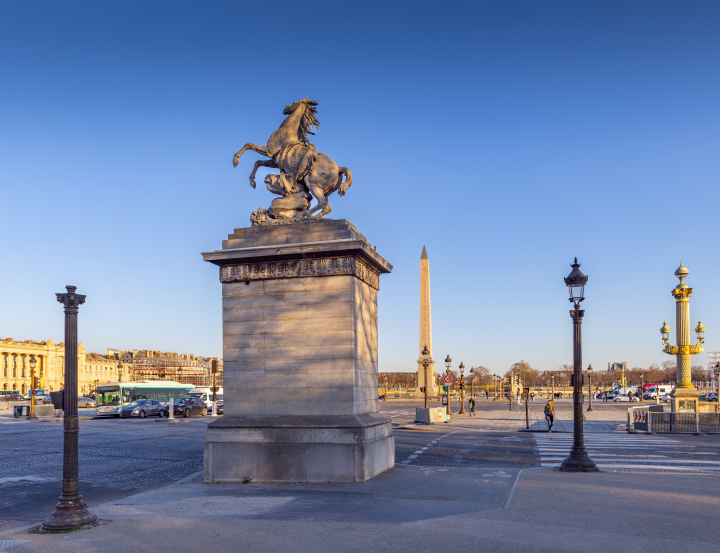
(425, 324)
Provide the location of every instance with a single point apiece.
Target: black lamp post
(589, 371)
(426, 364)
(448, 362)
(462, 389)
(472, 382)
(578, 460)
(70, 512)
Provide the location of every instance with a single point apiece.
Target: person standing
(550, 414)
(471, 402)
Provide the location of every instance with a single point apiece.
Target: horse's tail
(343, 186)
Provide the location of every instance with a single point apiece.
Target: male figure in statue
(304, 173)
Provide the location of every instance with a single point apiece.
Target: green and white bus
(112, 396)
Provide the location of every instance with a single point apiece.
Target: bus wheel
(186, 414)
(142, 414)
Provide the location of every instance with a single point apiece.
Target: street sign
(444, 388)
(447, 379)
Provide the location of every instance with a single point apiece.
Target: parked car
(626, 397)
(141, 408)
(712, 396)
(42, 400)
(12, 397)
(187, 406)
(666, 398)
(86, 402)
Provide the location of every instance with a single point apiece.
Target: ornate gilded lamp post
(685, 396)
(462, 390)
(120, 371)
(33, 364)
(472, 382)
(578, 460)
(590, 394)
(448, 363)
(426, 363)
(70, 512)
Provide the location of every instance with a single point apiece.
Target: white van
(653, 390)
(205, 394)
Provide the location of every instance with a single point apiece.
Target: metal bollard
(214, 409)
(171, 411)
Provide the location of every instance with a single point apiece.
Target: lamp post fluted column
(578, 460)
(70, 512)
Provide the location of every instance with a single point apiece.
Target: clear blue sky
(507, 136)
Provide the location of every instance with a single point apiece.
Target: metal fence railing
(684, 423)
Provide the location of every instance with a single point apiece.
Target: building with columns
(95, 368)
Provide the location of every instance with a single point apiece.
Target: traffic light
(422, 390)
(462, 385)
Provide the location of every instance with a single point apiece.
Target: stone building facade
(95, 368)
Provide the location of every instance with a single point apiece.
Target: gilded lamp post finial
(685, 396)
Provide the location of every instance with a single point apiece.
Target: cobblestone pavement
(496, 416)
(119, 458)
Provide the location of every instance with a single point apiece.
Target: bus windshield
(108, 395)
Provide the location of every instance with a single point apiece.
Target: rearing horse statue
(304, 173)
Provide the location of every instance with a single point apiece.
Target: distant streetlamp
(472, 382)
(448, 363)
(578, 460)
(120, 371)
(589, 371)
(462, 390)
(96, 385)
(642, 386)
(510, 389)
(426, 364)
(33, 364)
(386, 381)
(553, 386)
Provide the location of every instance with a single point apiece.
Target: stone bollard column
(70, 512)
(300, 356)
(171, 412)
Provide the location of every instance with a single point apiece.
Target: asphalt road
(119, 458)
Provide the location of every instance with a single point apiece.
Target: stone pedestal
(300, 357)
(685, 400)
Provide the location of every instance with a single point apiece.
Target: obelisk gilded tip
(424, 253)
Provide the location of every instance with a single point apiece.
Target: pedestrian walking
(605, 394)
(550, 414)
(471, 402)
(532, 396)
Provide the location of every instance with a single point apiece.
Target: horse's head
(292, 107)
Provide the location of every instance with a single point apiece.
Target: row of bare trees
(666, 373)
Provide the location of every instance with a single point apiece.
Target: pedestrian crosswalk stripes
(625, 452)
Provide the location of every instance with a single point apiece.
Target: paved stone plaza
(472, 483)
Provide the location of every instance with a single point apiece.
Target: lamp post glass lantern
(578, 460)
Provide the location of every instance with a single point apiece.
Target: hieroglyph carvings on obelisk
(425, 324)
